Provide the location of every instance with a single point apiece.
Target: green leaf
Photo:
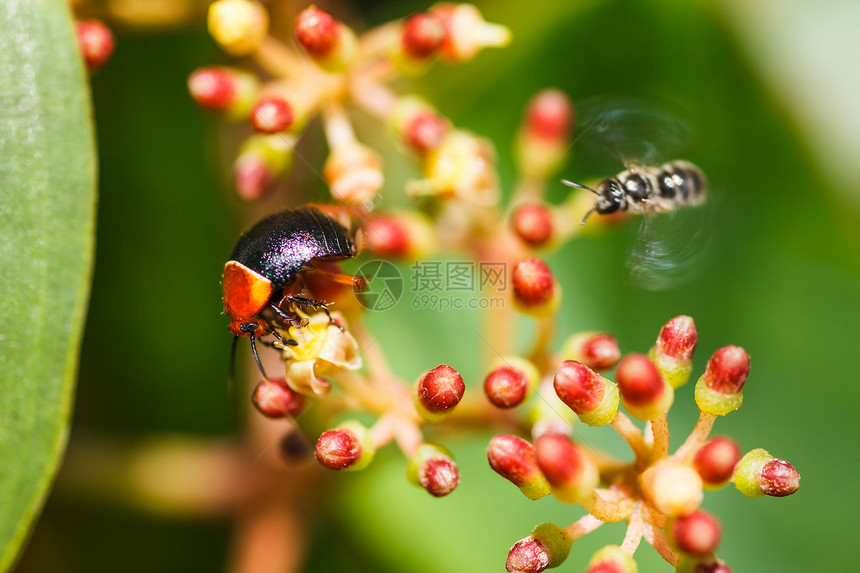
(47, 214)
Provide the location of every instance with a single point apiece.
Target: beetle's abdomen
(280, 245)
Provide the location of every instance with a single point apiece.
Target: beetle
(264, 272)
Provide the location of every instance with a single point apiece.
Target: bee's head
(610, 197)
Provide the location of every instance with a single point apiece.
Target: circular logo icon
(384, 285)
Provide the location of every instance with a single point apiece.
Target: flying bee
(672, 239)
(648, 190)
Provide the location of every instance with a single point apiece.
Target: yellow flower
(463, 166)
(323, 349)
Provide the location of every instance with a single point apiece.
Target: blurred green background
(782, 279)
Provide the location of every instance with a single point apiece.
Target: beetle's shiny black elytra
(261, 276)
(648, 189)
(281, 245)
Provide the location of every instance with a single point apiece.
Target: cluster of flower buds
(332, 67)
(352, 445)
(325, 355)
(659, 493)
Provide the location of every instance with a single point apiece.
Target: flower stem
(658, 541)
(607, 510)
(337, 126)
(631, 434)
(279, 60)
(660, 427)
(697, 437)
(375, 41)
(374, 98)
(584, 526)
(635, 530)
(540, 353)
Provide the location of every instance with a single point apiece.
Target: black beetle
(263, 272)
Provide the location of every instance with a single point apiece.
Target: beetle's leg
(282, 340)
(356, 282)
(315, 304)
(290, 318)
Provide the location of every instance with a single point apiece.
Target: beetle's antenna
(579, 186)
(257, 356)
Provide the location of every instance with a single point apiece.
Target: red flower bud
(513, 458)
(425, 132)
(338, 449)
(578, 386)
(432, 468)
(439, 390)
(506, 387)
(547, 546)
(638, 380)
(533, 224)
(718, 391)
(759, 473)
(252, 177)
(271, 114)
(727, 370)
(317, 31)
(593, 398)
(709, 564)
(387, 236)
(348, 446)
(697, 533)
(566, 467)
(678, 338)
(439, 476)
(643, 391)
(611, 559)
(535, 289)
(422, 35)
(549, 115)
(224, 90)
(715, 461)
(673, 351)
(779, 478)
(712, 567)
(212, 88)
(528, 555)
(275, 399)
(534, 284)
(95, 41)
(398, 235)
(596, 350)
